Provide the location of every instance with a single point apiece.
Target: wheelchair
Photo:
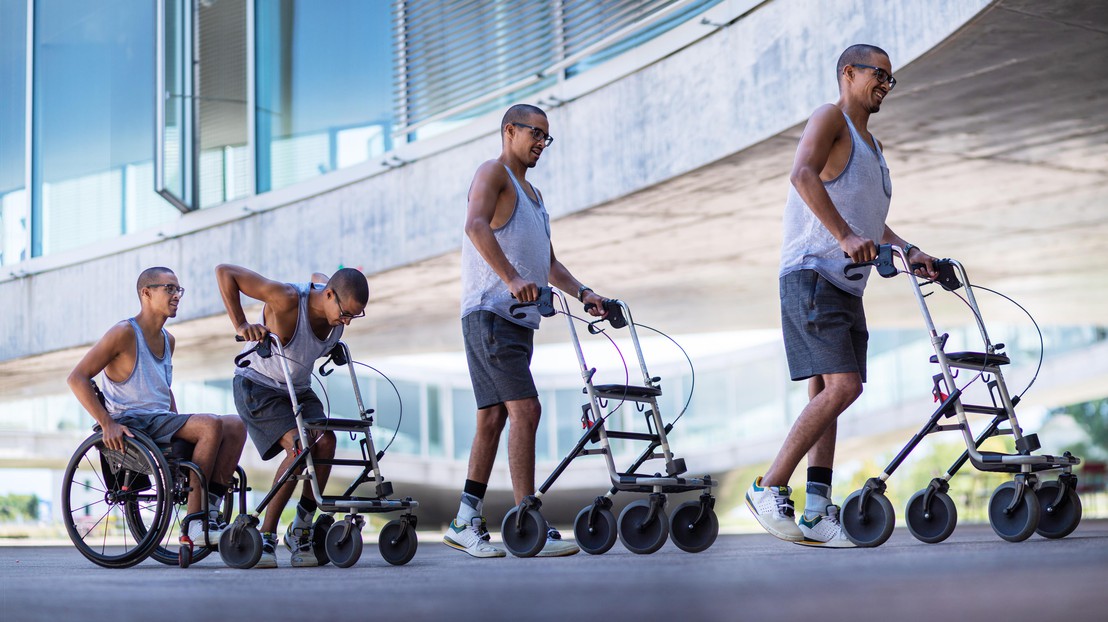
(121, 507)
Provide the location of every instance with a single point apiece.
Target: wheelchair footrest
(339, 425)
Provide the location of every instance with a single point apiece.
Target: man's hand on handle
(523, 290)
(859, 249)
(252, 332)
(597, 309)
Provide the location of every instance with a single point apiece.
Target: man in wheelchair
(135, 357)
(309, 319)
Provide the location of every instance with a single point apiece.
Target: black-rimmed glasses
(170, 288)
(537, 133)
(879, 73)
(343, 315)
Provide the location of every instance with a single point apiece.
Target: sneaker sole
(263, 563)
(831, 544)
(459, 547)
(563, 553)
(797, 537)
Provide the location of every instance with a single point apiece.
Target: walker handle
(545, 303)
(883, 262)
(615, 312)
(263, 350)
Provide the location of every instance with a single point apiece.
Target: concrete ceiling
(998, 145)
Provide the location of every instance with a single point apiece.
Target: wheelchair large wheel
(397, 542)
(1018, 524)
(931, 524)
(169, 547)
(599, 537)
(871, 527)
(687, 533)
(1060, 520)
(344, 544)
(638, 535)
(98, 487)
(527, 538)
(241, 544)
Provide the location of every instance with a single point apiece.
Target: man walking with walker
(836, 210)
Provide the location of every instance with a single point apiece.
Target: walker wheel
(639, 536)
(869, 526)
(241, 547)
(527, 538)
(599, 538)
(1058, 521)
(932, 524)
(343, 553)
(1020, 523)
(690, 536)
(398, 542)
(319, 538)
(184, 555)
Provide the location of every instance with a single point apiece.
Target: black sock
(309, 505)
(819, 475)
(477, 489)
(219, 490)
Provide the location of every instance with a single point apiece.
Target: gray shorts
(824, 327)
(499, 357)
(267, 413)
(160, 427)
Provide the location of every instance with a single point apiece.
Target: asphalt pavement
(973, 575)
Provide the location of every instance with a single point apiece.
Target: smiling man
(506, 257)
(835, 214)
(136, 358)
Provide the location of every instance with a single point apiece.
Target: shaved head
(857, 54)
(350, 284)
(151, 276)
(520, 113)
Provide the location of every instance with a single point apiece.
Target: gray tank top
(302, 351)
(525, 240)
(861, 193)
(146, 390)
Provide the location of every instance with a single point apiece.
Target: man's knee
(490, 421)
(201, 428)
(325, 444)
(844, 388)
(232, 428)
(525, 413)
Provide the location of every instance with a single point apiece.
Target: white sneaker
(555, 546)
(824, 530)
(472, 538)
(774, 510)
(269, 551)
(299, 543)
(196, 533)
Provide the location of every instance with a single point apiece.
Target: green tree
(14, 507)
(1092, 418)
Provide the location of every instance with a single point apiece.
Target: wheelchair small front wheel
(638, 534)
(319, 538)
(599, 537)
(870, 525)
(934, 523)
(689, 534)
(344, 543)
(525, 536)
(1057, 521)
(240, 546)
(1020, 522)
(397, 542)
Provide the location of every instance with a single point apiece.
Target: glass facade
(14, 222)
(324, 87)
(92, 123)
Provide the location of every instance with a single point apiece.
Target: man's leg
(203, 431)
(839, 392)
(467, 531)
(281, 498)
(524, 416)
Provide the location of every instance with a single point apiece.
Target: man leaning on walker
(308, 318)
(136, 357)
(836, 210)
(506, 257)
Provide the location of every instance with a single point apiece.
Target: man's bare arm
(915, 255)
(233, 280)
(110, 346)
